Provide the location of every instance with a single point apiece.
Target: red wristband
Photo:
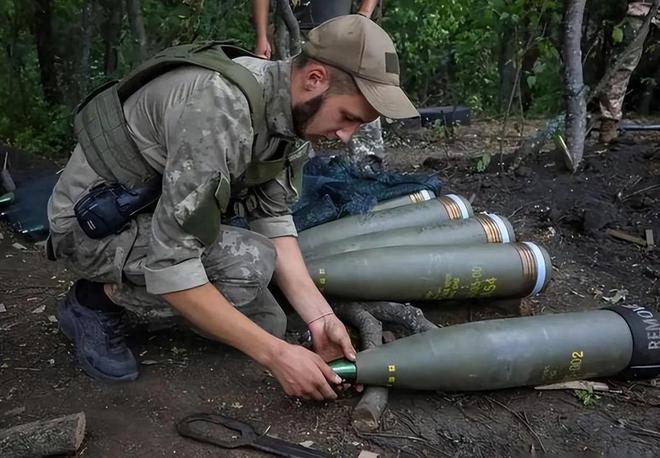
(322, 316)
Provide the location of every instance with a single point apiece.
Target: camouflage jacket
(194, 127)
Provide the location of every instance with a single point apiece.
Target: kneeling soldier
(186, 139)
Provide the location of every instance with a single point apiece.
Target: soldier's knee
(243, 256)
(265, 311)
(274, 322)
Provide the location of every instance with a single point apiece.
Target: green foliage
(617, 34)
(451, 52)
(587, 397)
(545, 80)
(27, 121)
(46, 129)
(483, 163)
(442, 131)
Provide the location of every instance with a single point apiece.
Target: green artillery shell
(444, 208)
(503, 353)
(414, 198)
(483, 228)
(407, 273)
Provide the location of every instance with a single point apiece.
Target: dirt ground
(183, 374)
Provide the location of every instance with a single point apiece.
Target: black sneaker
(98, 338)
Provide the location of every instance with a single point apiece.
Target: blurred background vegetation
(492, 55)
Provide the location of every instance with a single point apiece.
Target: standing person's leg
(614, 93)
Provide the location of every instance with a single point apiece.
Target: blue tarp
(334, 187)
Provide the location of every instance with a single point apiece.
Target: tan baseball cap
(360, 47)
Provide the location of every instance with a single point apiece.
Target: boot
(98, 338)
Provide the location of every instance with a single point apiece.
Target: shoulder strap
(101, 128)
(214, 55)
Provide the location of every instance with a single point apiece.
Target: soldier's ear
(316, 78)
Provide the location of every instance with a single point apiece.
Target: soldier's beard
(303, 114)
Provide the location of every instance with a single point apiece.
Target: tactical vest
(105, 140)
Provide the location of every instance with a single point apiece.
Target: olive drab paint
(482, 228)
(506, 353)
(444, 208)
(407, 273)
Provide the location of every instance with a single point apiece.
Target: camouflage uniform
(194, 127)
(611, 101)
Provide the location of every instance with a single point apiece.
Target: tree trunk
(576, 104)
(111, 32)
(507, 67)
(86, 33)
(136, 21)
(287, 32)
(43, 33)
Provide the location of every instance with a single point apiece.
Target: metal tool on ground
(444, 208)
(483, 228)
(197, 427)
(409, 273)
(487, 355)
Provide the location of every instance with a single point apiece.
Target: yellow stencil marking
(391, 379)
(322, 278)
(391, 368)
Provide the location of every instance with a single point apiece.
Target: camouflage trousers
(240, 264)
(611, 99)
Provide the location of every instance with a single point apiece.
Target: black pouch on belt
(108, 208)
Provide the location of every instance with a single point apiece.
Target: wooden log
(43, 438)
(367, 317)
(367, 413)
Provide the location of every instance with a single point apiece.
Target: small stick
(627, 237)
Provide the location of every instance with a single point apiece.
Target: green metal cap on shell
(344, 368)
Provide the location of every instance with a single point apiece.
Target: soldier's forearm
(293, 279)
(207, 309)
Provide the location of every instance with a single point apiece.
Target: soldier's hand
(303, 373)
(330, 339)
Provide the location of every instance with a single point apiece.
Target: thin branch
(521, 419)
